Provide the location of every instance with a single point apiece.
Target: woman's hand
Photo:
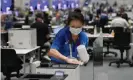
(73, 61)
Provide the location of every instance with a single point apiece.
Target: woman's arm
(56, 54)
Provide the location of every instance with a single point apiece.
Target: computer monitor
(98, 51)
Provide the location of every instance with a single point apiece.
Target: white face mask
(75, 31)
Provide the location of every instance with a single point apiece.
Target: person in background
(42, 30)
(3, 18)
(58, 17)
(99, 10)
(103, 20)
(119, 22)
(9, 22)
(73, 35)
(46, 18)
(110, 10)
(29, 18)
(96, 21)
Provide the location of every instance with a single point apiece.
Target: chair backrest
(4, 39)
(122, 39)
(9, 58)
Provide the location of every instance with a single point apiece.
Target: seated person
(110, 10)
(103, 20)
(119, 22)
(29, 18)
(67, 40)
(46, 18)
(42, 31)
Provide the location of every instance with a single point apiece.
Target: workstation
(66, 40)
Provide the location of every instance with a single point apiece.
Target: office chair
(4, 39)
(122, 42)
(10, 62)
(109, 41)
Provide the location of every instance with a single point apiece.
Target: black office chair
(10, 62)
(4, 39)
(109, 41)
(122, 42)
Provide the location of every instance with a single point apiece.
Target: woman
(67, 40)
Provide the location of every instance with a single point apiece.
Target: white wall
(21, 3)
(82, 2)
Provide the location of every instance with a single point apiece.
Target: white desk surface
(20, 18)
(24, 51)
(88, 27)
(56, 26)
(91, 27)
(108, 26)
(21, 22)
(105, 35)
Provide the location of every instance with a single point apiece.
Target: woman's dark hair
(75, 16)
(77, 10)
(125, 16)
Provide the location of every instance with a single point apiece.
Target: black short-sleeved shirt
(42, 32)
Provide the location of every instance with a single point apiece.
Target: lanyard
(70, 47)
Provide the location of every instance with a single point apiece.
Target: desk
(73, 71)
(25, 52)
(42, 77)
(19, 22)
(108, 26)
(88, 27)
(56, 26)
(20, 19)
(105, 35)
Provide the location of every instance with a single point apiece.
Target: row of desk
(23, 53)
(73, 71)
